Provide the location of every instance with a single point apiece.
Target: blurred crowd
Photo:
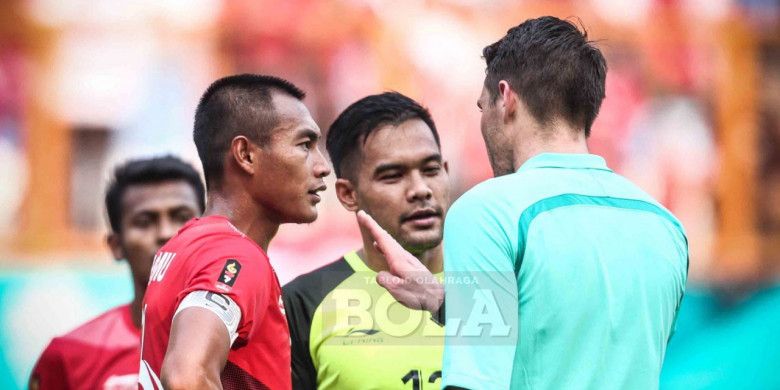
(692, 115)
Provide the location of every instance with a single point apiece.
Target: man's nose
(165, 231)
(321, 166)
(418, 188)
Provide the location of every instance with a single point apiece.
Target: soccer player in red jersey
(213, 315)
(147, 200)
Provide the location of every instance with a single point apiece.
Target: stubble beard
(500, 157)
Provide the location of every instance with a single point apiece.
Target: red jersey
(101, 354)
(210, 254)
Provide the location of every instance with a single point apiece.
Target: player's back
(599, 271)
(209, 254)
(600, 294)
(101, 353)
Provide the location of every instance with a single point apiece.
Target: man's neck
(557, 138)
(137, 303)
(433, 259)
(245, 215)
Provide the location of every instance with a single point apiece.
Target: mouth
(423, 218)
(314, 193)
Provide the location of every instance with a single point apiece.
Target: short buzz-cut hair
(232, 106)
(554, 69)
(353, 126)
(148, 171)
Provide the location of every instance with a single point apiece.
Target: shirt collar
(565, 160)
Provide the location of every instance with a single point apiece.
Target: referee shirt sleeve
(481, 295)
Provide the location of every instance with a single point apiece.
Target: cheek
(295, 173)
(441, 190)
(386, 202)
(140, 242)
(483, 123)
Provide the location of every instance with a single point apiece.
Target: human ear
(347, 195)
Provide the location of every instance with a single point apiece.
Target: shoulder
(97, 333)
(312, 287)
(494, 203)
(222, 248)
(54, 351)
(97, 325)
(111, 326)
(626, 189)
(212, 234)
(504, 194)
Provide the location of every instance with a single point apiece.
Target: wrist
(435, 301)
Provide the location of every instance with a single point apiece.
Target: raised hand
(408, 281)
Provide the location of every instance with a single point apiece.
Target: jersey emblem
(362, 332)
(229, 273)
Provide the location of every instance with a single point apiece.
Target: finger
(398, 259)
(385, 242)
(376, 246)
(388, 280)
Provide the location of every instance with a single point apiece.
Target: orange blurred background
(692, 115)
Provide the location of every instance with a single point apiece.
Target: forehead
(158, 196)
(410, 141)
(292, 113)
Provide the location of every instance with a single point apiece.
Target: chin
(421, 244)
(307, 217)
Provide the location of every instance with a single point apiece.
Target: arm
(201, 335)
(481, 296)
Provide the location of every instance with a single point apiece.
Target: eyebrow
(153, 212)
(308, 133)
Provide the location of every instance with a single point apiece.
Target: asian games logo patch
(229, 274)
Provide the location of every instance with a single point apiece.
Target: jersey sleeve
(234, 268)
(481, 319)
(49, 372)
(304, 374)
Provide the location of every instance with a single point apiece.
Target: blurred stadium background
(692, 114)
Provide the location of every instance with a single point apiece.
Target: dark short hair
(362, 117)
(232, 106)
(148, 171)
(553, 67)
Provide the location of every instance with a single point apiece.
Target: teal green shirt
(563, 275)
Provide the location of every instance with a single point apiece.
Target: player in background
(387, 157)
(576, 274)
(148, 200)
(213, 313)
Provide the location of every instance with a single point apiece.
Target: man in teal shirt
(559, 273)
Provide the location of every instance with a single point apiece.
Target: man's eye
(390, 177)
(182, 217)
(142, 222)
(433, 170)
(305, 145)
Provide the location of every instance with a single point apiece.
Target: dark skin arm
(197, 351)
